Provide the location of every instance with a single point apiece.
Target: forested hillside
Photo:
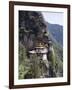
(32, 29)
(57, 32)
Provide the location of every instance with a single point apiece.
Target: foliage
(32, 29)
(23, 62)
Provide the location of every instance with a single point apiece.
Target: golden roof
(40, 45)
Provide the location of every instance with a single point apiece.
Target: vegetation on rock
(33, 29)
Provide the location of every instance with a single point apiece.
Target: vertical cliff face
(33, 30)
(31, 20)
(32, 27)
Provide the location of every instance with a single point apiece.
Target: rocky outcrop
(33, 30)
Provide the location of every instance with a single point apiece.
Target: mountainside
(32, 31)
(56, 31)
(56, 35)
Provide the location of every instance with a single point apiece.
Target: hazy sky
(53, 17)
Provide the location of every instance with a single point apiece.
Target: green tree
(23, 62)
(35, 66)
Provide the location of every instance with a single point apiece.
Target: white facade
(45, 56)
(40, 50)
